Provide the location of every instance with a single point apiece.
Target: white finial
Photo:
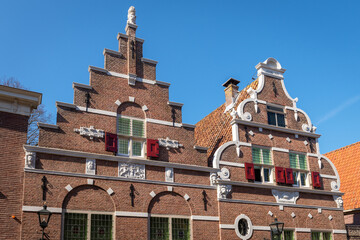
(131, 15)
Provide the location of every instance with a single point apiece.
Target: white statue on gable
(131, 15)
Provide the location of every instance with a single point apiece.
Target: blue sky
(47, 45)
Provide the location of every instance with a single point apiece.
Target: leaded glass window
(168, 228)
(261, 156)
(131, 136)
(321, 236)
(82, 226)
(298, 161)
(75, 226)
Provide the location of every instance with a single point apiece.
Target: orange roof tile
(347, 162)
(215, 129)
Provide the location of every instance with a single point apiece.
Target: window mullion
(89, 226)
(261, 156)
(130, 147)
(170, 228)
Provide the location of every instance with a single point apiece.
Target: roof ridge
(342, 148)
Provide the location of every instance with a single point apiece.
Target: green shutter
(266, 156)
(256, 155)
(136, 148)
(124, 126)
(302, 161)
(123, 146)
(137, 128)
(159, 228)
(293, 161)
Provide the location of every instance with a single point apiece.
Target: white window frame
(276, 113)
(170, 223)
(88, 221)
(298, 180)
(271, 173)
(261, 165)
(130, 137)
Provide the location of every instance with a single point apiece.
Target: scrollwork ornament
(224, 174)
(339, 201)
(30, 158)
(334, 186)
(247, 116)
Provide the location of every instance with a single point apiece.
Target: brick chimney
(231, 90)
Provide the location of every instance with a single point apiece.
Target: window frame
(321, 234)
(169, 217)
(263, 165)
(276, 112)
(131, 138)
(88, 213)
(299, 171)
(282, 237)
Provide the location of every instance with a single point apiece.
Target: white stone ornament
(68, 187)
(260, 129)
(339, 201)
(131, 15)
(128, 170)
(247, 116)
(170, 188)
(90, 132)
(30, 159)
(319, 163)
(310, 216)
(285, 197)
(319, 210)
(270, 136)
(251, 133)
(223, 191)
(238, 149)
(288, 139)
(168, 143)
(213, 178)
(90, 181)
(224, 174)
(330, 217)
(293, 215)
(110, 191)
(152, 194)
(117, 102)
(233, 113)
(306, 128)
(186, 197)
(90, 166)
(169, 174)
(270, 213)
(281, 207)
(334, 186)
(306, 143)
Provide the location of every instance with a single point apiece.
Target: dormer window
(276, 116)
(131, 139)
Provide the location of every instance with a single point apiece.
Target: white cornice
(62, 104)
(109, 51)
(126, 76)
(46, 125)
(188, 125)
(279, 204)
(123, 179)
(205, 218)
(80, 85)
(149, 61)
(131, 214)
(281, 188)
(175, 104)
(79, 154)
(25, 97)
(38, 208)
(150, 120)
(275, 128)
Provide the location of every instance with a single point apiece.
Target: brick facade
(189, 180)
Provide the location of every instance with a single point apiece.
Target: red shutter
(280, 174)
(152, 148)
(111, 142)
(249, 171)
(289, 176)
(316, 179)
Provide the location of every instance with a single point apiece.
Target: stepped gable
(347, 160)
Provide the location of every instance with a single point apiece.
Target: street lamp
(44, 218)
(276, 227)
